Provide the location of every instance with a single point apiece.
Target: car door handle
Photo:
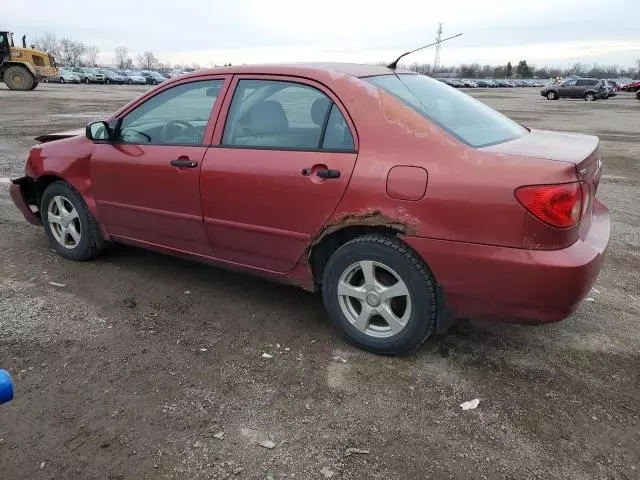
(328, 173)
(184, 162)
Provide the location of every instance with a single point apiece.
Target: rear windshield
(464, 117)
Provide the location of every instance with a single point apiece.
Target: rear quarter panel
(470, 192)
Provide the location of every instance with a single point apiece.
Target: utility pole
(436, 61)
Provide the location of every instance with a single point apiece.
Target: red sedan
(406, 202)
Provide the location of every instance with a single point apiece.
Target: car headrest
(268, 117)
(319, 110)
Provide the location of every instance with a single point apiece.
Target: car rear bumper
(18, 196)
(517, 285)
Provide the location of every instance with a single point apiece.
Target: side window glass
(276, 114)
(338, 135)
(177, 116)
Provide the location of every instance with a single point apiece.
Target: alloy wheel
(374, 299)
(64, 222)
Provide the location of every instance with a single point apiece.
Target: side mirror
(99, 131)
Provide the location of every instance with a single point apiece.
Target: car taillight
(560, 206)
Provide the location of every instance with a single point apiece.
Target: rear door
(284, 157)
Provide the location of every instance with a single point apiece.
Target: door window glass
(177, 116)
(276, 114)
(338, 135)
(569, 83)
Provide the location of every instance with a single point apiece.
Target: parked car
(63, 76)
(631, 86)
(88, 74)
(590, 89)
(132, 78)
(331, 177)
(483, 83)
(152, 78)
(611, 88)
(112, 77)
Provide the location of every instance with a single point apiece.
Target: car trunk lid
(580, 151)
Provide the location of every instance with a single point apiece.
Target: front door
(284, 161)
(147, 181)
(567, 89)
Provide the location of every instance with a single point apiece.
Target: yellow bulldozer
(23, 68)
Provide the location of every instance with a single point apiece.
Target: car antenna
(393, 65)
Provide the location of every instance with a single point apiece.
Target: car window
(464, 117)
(286, 115)
(177, 116)
(337, 135)
(569, 83)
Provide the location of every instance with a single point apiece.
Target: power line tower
(436, 61)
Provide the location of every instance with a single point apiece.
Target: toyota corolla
(405, 202)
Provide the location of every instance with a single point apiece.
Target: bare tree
(92, 55)
(49, 43)
(71, 51)
(147, 61)
(122, 57)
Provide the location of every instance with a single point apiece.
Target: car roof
(302, 69)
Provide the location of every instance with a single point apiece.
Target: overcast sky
(544, 32)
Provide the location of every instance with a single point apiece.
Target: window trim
(211, 122)
(308, 82)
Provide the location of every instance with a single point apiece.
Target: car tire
(130, 82)
(154, 82)
(590, 97)
(107, 82)
(72, 230)
(552, 95)
(86, 80)
(62, 80)
(392, 267)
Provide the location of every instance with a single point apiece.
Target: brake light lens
(560, 206)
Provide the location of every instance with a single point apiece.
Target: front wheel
(72, 230)
(86, 80)
(552, 95)
(380, 294)
(130, 82)
(62, 80)
(590, 97)
(155, 82)
(107, 81)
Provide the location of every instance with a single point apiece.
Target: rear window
(464, 117)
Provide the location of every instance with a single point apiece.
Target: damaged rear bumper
(23, 193)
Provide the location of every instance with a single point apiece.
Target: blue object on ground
(6, 387)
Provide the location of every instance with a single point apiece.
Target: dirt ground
(130, 369)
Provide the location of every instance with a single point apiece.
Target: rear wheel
(590, 97)
(130, 82)
(154, 82)
(380, 295)
(86, 80)
(551, 95)
(107, 81)
(72, 230)
(62, 80)
(18, 78)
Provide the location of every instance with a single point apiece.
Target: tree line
(70, 52)
(524, 70)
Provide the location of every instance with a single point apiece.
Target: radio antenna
(393, 65)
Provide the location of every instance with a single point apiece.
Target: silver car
(64, 76)
(88, 74)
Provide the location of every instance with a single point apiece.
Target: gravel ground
(132, 368)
